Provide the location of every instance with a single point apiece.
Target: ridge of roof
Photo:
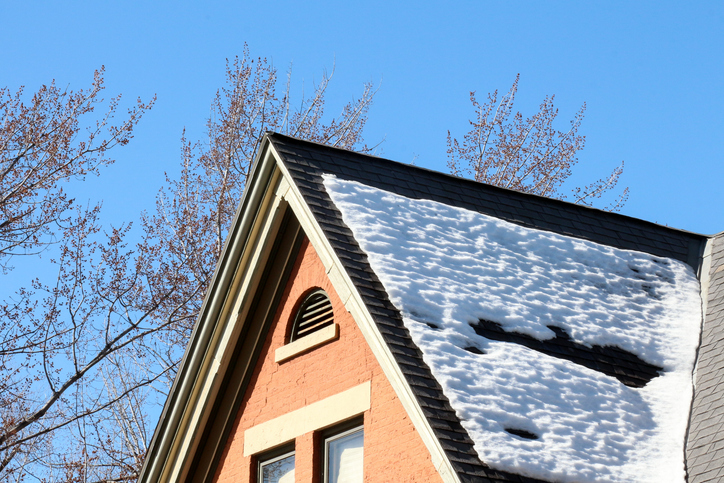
(530, 210)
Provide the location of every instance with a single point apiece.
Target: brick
(276, 389)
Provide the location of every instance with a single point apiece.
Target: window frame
(334, 433)
(272, 456)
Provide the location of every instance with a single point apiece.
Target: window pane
(344, 458)
(278, 471)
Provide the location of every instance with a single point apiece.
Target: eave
(177, 442)
(173, 443)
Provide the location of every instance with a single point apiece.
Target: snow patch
(446, 267)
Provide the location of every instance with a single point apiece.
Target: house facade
(315, 390)
(320, 354)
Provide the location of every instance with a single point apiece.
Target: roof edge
(167, 429)
(492, 187)
(525, 209)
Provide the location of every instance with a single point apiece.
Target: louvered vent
(314, 314)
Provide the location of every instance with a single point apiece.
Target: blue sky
(651, 74)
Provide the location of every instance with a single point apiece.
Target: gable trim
(235, 303)
(198, 381)
(245, 349)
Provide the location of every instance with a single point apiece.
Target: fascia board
(353, 302)
(235, 303)
(164, 449)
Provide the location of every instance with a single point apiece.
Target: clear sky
(650, 72)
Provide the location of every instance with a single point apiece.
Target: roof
(705, 448)
(328, 191)
(309, 164)
(308, 161)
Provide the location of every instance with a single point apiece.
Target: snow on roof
(529, 412)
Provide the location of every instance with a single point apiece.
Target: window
(343, 457)
(314, 314)
(277, 468)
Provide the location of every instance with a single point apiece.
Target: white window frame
(272, 457)
(332, 436)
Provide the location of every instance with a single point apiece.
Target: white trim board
(306, 343)
(318, 415)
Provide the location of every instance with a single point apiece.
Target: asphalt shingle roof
(705, 446)
(307, 162)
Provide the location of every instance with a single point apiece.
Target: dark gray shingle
(705, 444)
(307, 162)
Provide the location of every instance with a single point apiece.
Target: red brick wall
(393, 450)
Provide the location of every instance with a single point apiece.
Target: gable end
(452, 438)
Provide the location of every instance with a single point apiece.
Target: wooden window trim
(329, 435)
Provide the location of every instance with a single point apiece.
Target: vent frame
(314, 313)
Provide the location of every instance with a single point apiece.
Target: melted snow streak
(446, 268)
(612, 361)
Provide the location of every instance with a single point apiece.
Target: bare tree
(525, 154)
(87, 358)
(63, 337)
(45, 346)
(43, 143)
(194, 212)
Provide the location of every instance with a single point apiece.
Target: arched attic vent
(314, 314)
